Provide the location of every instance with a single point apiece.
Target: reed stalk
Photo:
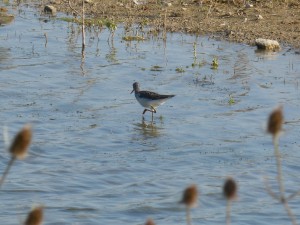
(11, 161)
(230, 193)
(190, 199)
(18, 149)
(228, 212)
(274, 128)
(82, 23)
(35, 216)
(280, 181)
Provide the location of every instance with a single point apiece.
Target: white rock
(249, 5)
(267, 44)
(140, 2)
(259, 17)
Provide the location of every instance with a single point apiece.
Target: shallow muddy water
(95, 160)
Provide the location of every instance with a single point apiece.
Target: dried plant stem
(293, 195)
(208, 12)
(271, 193)
(289, 212)
(82, 21)
(279, 169)
(282, 198)
(188, 216)
(74, 10)
(165, 26)
(11, 161)
(228, 211)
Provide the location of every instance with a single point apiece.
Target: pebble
(267, 44)
(50, 9)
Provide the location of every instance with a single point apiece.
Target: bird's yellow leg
(153, 110)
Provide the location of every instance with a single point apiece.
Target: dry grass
(228, 19)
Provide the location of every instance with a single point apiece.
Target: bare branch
(293, 195)
(269, 190)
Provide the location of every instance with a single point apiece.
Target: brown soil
(227, 19)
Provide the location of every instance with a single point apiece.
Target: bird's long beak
(132, 91)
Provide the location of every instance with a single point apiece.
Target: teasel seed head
(35, 217)
(149, 222)
(230, 189)
(190, 196)
(21, 142)
(275, 121)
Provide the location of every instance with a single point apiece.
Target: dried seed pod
(19, 146)
(230, 189)
(190, 196)
(275, 121)
(149, 222)
(35, 217)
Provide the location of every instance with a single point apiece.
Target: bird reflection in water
(148, 129)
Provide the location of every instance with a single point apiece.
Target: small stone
(249, 5)
(259, 17)
(50, 9)
(168, 4)
(267, 44)
(140, 2)
(88, 1)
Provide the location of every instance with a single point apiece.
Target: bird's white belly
(148, 103)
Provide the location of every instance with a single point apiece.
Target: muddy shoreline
(227, 20)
